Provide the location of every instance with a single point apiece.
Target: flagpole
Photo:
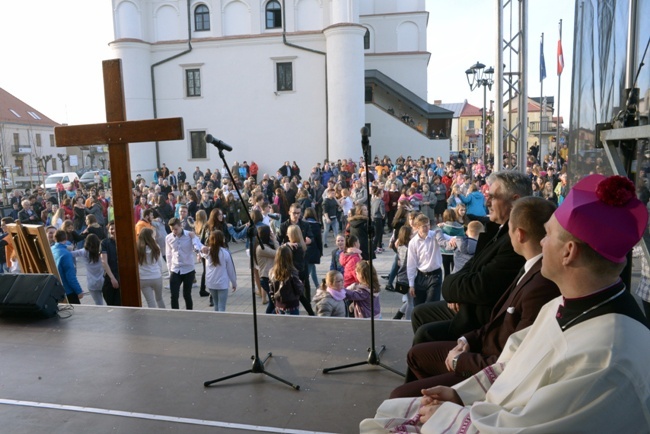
(559, 79)
(542, 75)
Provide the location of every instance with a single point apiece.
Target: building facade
(277, 80)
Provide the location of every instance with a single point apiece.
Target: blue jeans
(393, 270)
(290, 311)
(311, 268)
(334, 224)
(175, 281)
(219, 297)
(427, 287)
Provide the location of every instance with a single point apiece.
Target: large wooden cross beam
(118, 133)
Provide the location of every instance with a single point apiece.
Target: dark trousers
(73, 298)
(270, 307)
(175, 281)
(111, 295)
(378, 223)
(427, 287)
(431, 322)
(426, 368)
(447, 264)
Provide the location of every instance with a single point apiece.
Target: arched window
(273, 15)
(201, 18)
(366, 40)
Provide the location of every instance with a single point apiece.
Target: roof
(429, 111)
(470, 110)
(15, 111)
(456, 107)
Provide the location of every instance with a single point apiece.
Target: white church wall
(392, 6)
(408, 36)
(128, 21)
(240, 105)
(390, 136)
(166, 23)
(388, 26)
(236, 19)
(309, 15)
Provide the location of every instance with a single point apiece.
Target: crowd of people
(502, 274)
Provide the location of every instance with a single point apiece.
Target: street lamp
(478, 76)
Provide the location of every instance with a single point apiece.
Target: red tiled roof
(470, 110)
(13, 110)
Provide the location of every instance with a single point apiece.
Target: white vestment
(592, 378)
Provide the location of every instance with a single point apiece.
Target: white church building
(278, 80)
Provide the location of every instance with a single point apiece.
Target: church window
(284, 76)
(38, 140)
(52, 140)
(366, 40)
(273, 15)
(193, 82)
(201, 18)
(198, 145)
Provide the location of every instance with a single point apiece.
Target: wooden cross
(117, 133)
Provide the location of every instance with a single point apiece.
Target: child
(220, 270)
(94, 267)
(285, 284)
(359, 293)
(466, 246)
(335, 264)
(150, 268)
(349, 260)
(451, 227)
(329, 298)
(402, 243)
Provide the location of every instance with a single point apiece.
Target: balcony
(544, 127)
(21, 150)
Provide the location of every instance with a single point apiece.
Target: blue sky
(53, 51)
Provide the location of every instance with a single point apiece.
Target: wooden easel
(33, 250)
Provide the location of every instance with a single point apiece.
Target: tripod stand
(374, 357)
(258, 365)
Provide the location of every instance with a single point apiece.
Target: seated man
(582, 365)
(447, 363)
(473, 290)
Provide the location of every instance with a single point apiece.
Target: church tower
(345, 81)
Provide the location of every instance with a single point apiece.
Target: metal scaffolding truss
(510, 132)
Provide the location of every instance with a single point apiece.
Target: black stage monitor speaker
(33, 295)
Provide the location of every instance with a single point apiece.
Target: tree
(42, 162)
(92, 157)
(64, 159)
(103, 161)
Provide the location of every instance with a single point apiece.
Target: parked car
(88, 178)
(7, 184)
(66, 179)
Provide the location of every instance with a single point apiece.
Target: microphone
(365, 143)
(219, 144)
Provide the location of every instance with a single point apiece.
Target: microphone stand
(374, 357)
(258, 365)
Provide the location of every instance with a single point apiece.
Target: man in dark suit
(471, 293)
(449, 362)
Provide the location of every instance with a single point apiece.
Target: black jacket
(483, 280)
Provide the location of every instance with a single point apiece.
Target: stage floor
(127, 370)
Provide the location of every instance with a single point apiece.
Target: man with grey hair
(471, 292)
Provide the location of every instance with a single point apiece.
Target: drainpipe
(153, 76)
(311, 50)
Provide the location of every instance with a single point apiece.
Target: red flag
(560, 58)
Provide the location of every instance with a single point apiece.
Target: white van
(66, 179)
